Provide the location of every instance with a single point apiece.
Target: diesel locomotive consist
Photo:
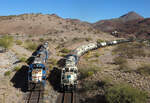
(69, 73)
(37, 67)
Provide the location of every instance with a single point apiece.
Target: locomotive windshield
(69, 70)
(36, 66)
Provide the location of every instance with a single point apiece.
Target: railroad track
(35, 96)
(67, 98)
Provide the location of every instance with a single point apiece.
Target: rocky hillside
(41, 24)
(48, 25)
(130, 24)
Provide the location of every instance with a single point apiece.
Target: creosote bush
(96, 54)
(88, 39)
(23, 59)
(19, 42)
(7, 73)
(122, 93)
(41, 40)
(119, 60)
(6, 41)
(87, 71)
(106, 82)
(100, 40)
(16, 68)
(125, 68)
(30, 45)
(89, 85)
(123, 64)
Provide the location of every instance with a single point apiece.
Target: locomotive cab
(69, 79)
(36, 75)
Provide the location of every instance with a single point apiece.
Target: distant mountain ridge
(130, 24)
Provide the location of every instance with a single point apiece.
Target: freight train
(69, 73)
(37, 67)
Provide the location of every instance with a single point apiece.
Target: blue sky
(85, 10)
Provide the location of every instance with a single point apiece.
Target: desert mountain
(130, 16)
(40, 24)
(130, 24)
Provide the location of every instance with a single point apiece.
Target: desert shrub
(41, 39)
(59, 46)
(62, 55)
(7, 73)
(30, 45)
(65, 50)
(106, 82)
(87, 71)
(30, 36)
(123, 64)
(125, 68)
(22, 59)
(119, 60)
(76, 39)
(88, 55)
(88, 39)
(144, 70)
(89, 85)
(6, 41)
(100, 40)
(19, 42)
(16, 68)
(121, 93)
(96, 54)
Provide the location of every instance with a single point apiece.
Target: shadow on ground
(20, 79)
(86, 87)
(95, 99)
(55, 75)
(61, 62)
(54, 78)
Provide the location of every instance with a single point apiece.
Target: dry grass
(30, 45)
